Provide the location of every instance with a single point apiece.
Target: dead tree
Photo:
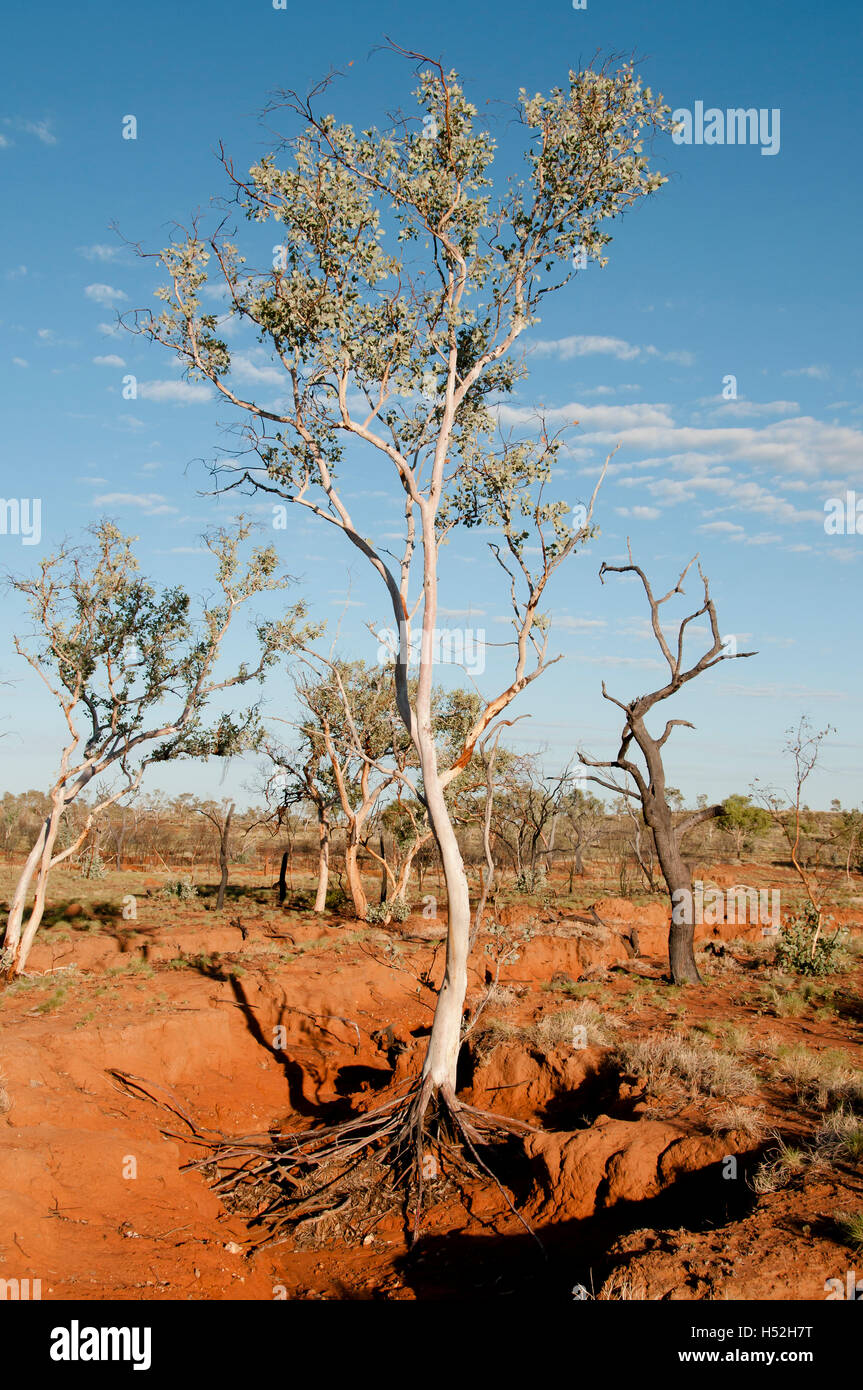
(649, 777)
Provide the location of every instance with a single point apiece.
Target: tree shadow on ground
(574, 1252)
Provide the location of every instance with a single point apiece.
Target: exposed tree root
(362, 1167)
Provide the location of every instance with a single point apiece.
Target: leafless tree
(648, 783)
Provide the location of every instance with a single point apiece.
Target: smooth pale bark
(323, 860)
(17, 943)
(443, 1049)
(353, 875)
(441, 1060)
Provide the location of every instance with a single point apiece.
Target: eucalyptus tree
(302, 775)
(644, 781)
(402, 280)
(220, 815)
(132, 671)
(348, 717)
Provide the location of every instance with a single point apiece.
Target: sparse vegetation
(678, 1063)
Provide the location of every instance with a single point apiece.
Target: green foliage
(743, 819)
(393, 910)
(179, 888)
(800, 951)
(91, 863)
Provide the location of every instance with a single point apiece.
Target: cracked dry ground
(647, 1179)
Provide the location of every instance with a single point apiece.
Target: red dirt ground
(624, 1185)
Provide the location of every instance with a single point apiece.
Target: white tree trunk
(443, 1049)
(323, 864)
(17, 942)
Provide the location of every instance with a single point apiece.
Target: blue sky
(744, 264)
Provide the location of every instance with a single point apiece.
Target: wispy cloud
(151, 503)
(743, 410)
(178, 392)
(639, 513)
(41, 129)
(105, 295)
(110, 360)
(591, 345)
(818, 373)
(593, 417)
(100, 252)
(245, 369)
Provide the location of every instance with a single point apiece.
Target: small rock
(233, 1248)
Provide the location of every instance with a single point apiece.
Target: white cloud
(570, 624)
(110, 330)
(152, 503)
(639, 513)
(803, 445)
(743, 410)
(104, 294)
(818, 373)
(20, 362)
(17, 272)
(592, 344)
(100, 252)
(628, 418)
(609, 390)
(41, 129)
(111, 360)
(245, 369)
(723, 527)
(180, 392)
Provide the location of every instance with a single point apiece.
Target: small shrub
(180, 888)
(800, 951)
(91, 863)
(394, 910)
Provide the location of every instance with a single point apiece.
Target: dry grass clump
(5, 1100)
(739, 1119)
(673, 1063)
(822, 1079)
(583, 1025)
(782, 1164)
(838, 1140)
(840, 1137)
(850, 1226)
